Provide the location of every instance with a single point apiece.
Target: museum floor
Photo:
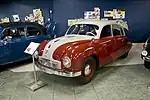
(123, 80)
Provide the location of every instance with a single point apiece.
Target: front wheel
(88, 70)
(147, 64)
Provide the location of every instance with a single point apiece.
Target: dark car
(146, 54)
(16, 36)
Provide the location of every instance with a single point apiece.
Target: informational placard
(32, 48)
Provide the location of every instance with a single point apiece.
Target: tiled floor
(125, 79)
(111, 83)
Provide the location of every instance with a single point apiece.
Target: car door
(108, 44)
(6, 47)
(4, 52)
(120, 39)
(18, 42)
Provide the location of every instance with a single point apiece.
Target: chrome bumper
(146, 58)
(57, 72)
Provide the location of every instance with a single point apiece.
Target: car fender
(81, 55)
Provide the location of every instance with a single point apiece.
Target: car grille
(49, 63)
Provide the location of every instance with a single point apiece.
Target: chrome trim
(146, 42)
(50, 63)
(146, 59)
(59, 73)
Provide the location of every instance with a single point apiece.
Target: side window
(116, 30)
(106, 31)
(93, 29)
(32, 31)
(73, 29)
(6, 33)
(126, 31)
(20, 31)
(83, 29)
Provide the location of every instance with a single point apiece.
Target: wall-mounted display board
(36, 16)
(30, 18)
(108, 14)
(72, 21)
(114, 14)
(5, 20)
(88, 14)
(95, 14)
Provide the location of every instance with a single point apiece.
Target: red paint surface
(105, 49)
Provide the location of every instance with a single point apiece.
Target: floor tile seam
(96, 92)
(21, 79)
(122, 85)
(53, 90)
(74, 92)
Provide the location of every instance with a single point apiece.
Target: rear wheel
(88, 70)
(147, 64)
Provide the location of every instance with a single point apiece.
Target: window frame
(41, 33)
(110, 31)
(89, 25)
(121, 30)
(11, 28)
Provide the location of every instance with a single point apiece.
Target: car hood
(65, 41)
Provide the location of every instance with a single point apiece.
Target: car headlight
(66, 62)
(144, 53)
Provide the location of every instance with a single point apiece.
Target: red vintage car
(86, 46)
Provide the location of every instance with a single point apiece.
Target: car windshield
(83, 29)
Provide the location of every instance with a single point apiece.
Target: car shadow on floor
(14, 65)
(100, 73)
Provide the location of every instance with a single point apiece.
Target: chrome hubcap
(87, 70)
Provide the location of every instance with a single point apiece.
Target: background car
(145, 55)
(87, 45)
(16, 36)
